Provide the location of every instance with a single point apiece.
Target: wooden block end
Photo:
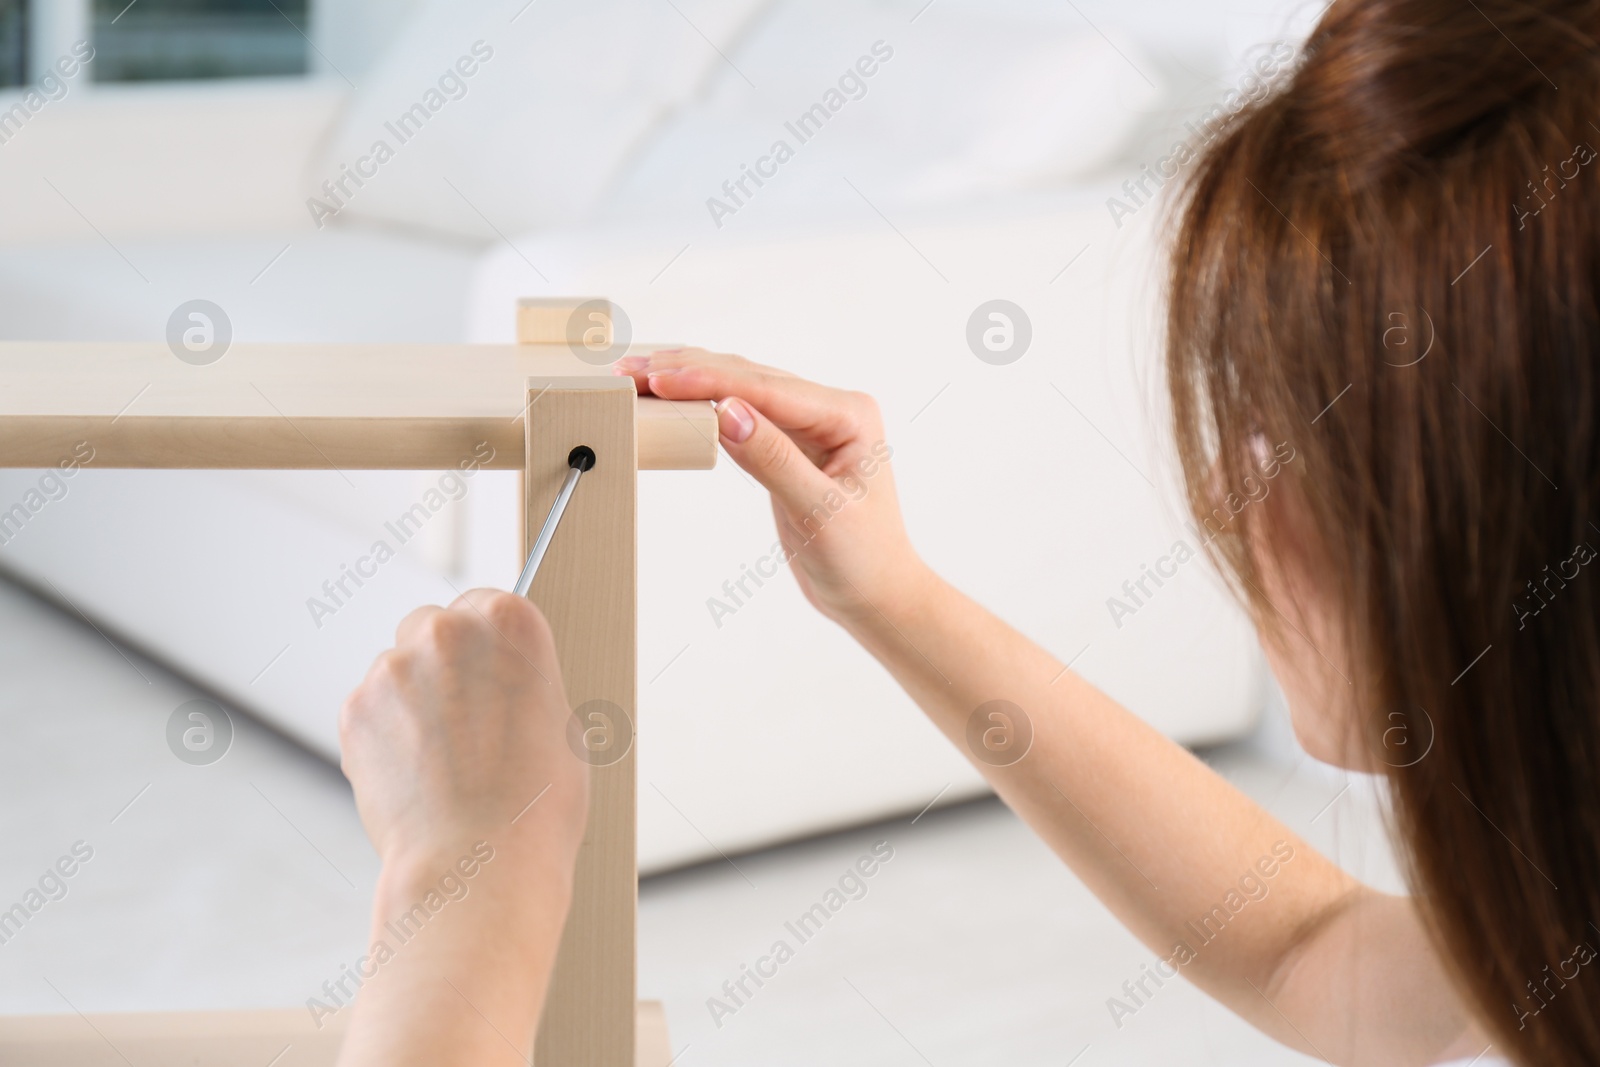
(555, 320)
(652, 1047)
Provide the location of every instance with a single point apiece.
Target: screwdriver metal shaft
(579, 460)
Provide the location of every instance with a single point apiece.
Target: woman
(1392, 264)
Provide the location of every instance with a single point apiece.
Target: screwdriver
(580, 459)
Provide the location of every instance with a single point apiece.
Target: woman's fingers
(813, 448)
(784, 430)
(815, 411)
(771, 456)
(413, 623)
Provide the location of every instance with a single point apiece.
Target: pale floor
(245, 883)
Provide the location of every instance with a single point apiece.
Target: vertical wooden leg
(586, 588)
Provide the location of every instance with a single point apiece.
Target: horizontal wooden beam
(304, 406)
(218, 1039)
(195, 1039)
(672, 436)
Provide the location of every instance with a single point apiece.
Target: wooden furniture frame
(288, 406)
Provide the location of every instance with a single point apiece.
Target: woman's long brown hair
(1392, 262)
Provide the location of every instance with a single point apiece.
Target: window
(166, 40)
(13, 42)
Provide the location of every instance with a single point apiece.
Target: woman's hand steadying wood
(822, 455)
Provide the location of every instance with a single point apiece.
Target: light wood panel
(303, 406)
(587, 590)
(219, 1039)
(402, 407)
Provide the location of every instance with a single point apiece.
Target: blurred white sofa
(1039, 486)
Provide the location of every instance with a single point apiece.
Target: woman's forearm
(1208, 879)
(459, 966)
